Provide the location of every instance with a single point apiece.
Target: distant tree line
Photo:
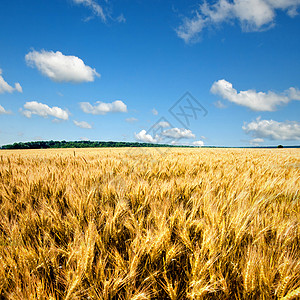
(110, 144)
(78, 144)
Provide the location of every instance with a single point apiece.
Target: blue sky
(111, 70)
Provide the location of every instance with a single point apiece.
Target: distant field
(121, 224)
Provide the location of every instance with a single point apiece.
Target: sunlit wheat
(189, 224)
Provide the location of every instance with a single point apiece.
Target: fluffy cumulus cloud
(43, 110)
(3, 111)
(94, 6)
(198, 143)
(102, 108)
(6, 88)
(61, 68)
(178, 133)
(257, 101)
(82, 124)
(164, 135)
(252, 15)
(143, 136)
(273, 130)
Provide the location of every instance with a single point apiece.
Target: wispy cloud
(131, 120)
(154, 112)
(43, 110)
(104, 10)
(6, 88)
(95, 7)
(121, 19)
(252, 15)
(257, 101)
(82, 124)
(102, 108)
(219, 104)
(273, 130)
(256, 141)
(163, 124)
(61, 68)
(3, 111)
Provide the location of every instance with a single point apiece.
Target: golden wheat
(150, 224)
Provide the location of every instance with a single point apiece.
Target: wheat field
(121, 224)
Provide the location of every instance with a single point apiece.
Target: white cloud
(131, 120)
(104, 11)
(82, 124)
(163, 124)
(154, 112)
(94, 6)
(257, 101)
(181, 143)
(178, 133)
(256, 141)
(144, 137)
(121, 19)
(173, 133)
(43, 110)
(18, 88)
(55, 121)
(6, 88)
(190, 28)
(3, 111)
(252, 15)
(273, 130)
(219, 104)
(294, 93)
(198, 143)
(103, 108)
(61, 68)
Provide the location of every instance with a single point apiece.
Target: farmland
(147, 224)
